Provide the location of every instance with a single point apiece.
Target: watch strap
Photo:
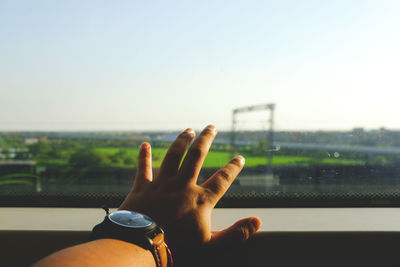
(159, 251)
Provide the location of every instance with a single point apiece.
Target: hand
(183, 208)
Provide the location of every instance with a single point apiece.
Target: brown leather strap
(160, 251)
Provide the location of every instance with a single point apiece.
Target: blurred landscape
(359, 160)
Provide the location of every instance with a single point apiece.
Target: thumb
(238, 232)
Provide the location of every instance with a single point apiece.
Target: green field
(217, 159)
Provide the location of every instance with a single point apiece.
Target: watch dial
(130, 219)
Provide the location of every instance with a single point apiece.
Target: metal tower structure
(270, 138)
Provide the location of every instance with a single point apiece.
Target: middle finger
(197, 153)
(172, 159)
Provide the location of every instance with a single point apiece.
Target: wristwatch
(135, 228)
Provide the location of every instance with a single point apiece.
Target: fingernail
(145, 146)
(189, 131)
(211, 128)
(241, 159)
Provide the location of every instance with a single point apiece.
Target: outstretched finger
(194, 159)
(173, 158)
(144, 173)
(220, 181)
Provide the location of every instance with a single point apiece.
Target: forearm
(102, 252)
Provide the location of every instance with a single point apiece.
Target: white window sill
(274, 219)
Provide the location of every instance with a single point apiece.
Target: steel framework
(270, 139)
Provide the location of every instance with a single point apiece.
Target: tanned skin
(180, 206)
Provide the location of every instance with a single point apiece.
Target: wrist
(137, 229)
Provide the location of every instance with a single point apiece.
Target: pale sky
(157, 65)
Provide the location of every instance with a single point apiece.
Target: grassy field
(217, 159)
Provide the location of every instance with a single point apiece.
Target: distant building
(31, 141)
(43, 139)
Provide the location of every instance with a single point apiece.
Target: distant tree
(261, 148)
(41, 150)
(12, 141)
(118, 158)
(130, 161)
(379, 160)
(122, 157)
(3, 143)
(88, 158)
(71, 144)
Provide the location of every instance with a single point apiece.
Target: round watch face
(130, 219)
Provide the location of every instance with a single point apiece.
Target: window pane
(305, 90)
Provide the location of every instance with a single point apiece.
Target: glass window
(305, 90)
